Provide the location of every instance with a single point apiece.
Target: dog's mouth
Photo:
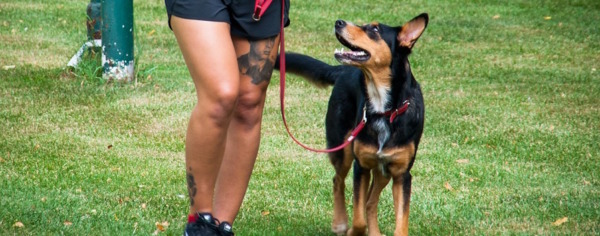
(355, 54)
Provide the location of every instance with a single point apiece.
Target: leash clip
(257, 11)
(364, 118)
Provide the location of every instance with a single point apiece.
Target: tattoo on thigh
(191, 187)
(258, 63)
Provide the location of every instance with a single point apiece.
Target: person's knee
(218, 106)
(249, 109)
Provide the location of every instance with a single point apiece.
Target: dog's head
(374, 45)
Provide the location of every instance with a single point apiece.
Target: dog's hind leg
(401, 188)
(379, 183)
(341, 161)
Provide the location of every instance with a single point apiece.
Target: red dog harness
(398, 111)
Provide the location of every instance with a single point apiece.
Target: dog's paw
(339, 229)
(357, 232)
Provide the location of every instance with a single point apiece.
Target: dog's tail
(317, 72)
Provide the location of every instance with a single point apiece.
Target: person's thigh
(255, 59)
(210, 56)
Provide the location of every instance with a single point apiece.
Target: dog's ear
(412, 30)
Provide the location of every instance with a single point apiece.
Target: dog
(374, 84)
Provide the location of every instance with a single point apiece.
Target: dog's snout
(340, 24)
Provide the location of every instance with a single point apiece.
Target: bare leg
(212, 64)
(256, 60)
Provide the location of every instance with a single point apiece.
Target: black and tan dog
(374, 83)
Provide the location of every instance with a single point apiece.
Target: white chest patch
(378, 97)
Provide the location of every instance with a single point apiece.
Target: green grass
(511, 142)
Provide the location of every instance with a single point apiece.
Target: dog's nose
(340, 24)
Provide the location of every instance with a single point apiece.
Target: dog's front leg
(379, 183)
(362, 178)
(401, 188)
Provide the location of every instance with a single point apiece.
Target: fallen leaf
(68, 223)
(19, 224)
(547, 18)
(265, 213)
(560, 221)
(8, 67)
(162, 226)
(462, 161)
(110, 146)
(143, 205)
(151, 32)
(448, 186)
(496, 17)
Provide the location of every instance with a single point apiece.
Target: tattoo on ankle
(191, 187)
(258, 63)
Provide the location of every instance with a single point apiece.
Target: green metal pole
(117, 40)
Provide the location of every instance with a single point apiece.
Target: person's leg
(256, 60)
(211, 59)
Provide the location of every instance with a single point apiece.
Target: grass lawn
(511, 141)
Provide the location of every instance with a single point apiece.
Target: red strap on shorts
(260, 6)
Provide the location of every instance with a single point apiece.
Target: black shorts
(238, 13)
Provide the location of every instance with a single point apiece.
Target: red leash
(356, 130)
